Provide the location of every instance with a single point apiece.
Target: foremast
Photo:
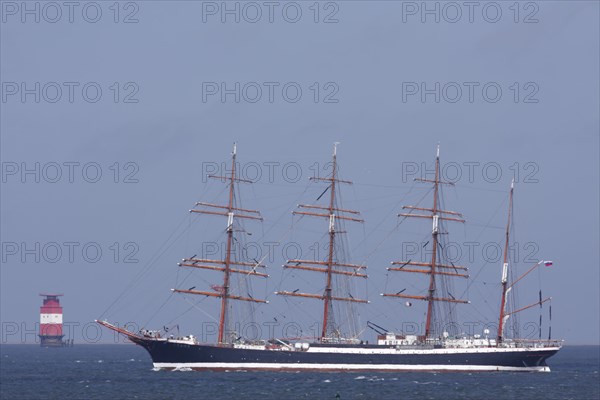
(231, 212)
(432, 268)
(330, 266)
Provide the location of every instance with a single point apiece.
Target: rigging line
(299, 276)
(283, 214)
(260, 261)
(398, 223)
(475, 313)
(291, 302)
(265, 233)
(158, 257)
(279, 195)
(217, 196)
(147, 267)
(487, 226)
(478, 236)
(187, 246)
(185, 312)
(190, 273)
(251, 315)
(408, 284)
(200, 309)
(385, 186)
(488, 223)
(485, 301)
(373, 198)
(478, 188)
(159, 308)
(270, 184)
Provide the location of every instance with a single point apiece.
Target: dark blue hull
(169, 355)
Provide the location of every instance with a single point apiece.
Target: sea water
(125, 372)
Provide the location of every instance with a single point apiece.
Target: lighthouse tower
(51, 320)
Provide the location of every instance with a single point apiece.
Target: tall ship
(440, 347)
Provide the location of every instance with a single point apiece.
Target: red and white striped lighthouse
(51, 320)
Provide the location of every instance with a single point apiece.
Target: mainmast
(226, 272)
(327, 299)
(434, 238)
(434, 268)
(328, 266)
(505, 287)
(225, 266)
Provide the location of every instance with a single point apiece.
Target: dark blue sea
(125, 372)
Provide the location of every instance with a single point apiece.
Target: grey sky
(365, 66)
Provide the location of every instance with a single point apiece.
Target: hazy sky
(117, 122)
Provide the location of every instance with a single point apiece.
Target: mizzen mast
(505, 287)
(231, 212)
(330, 266)
(433, 268)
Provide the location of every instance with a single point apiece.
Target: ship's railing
(340, 340)
(539, 343)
